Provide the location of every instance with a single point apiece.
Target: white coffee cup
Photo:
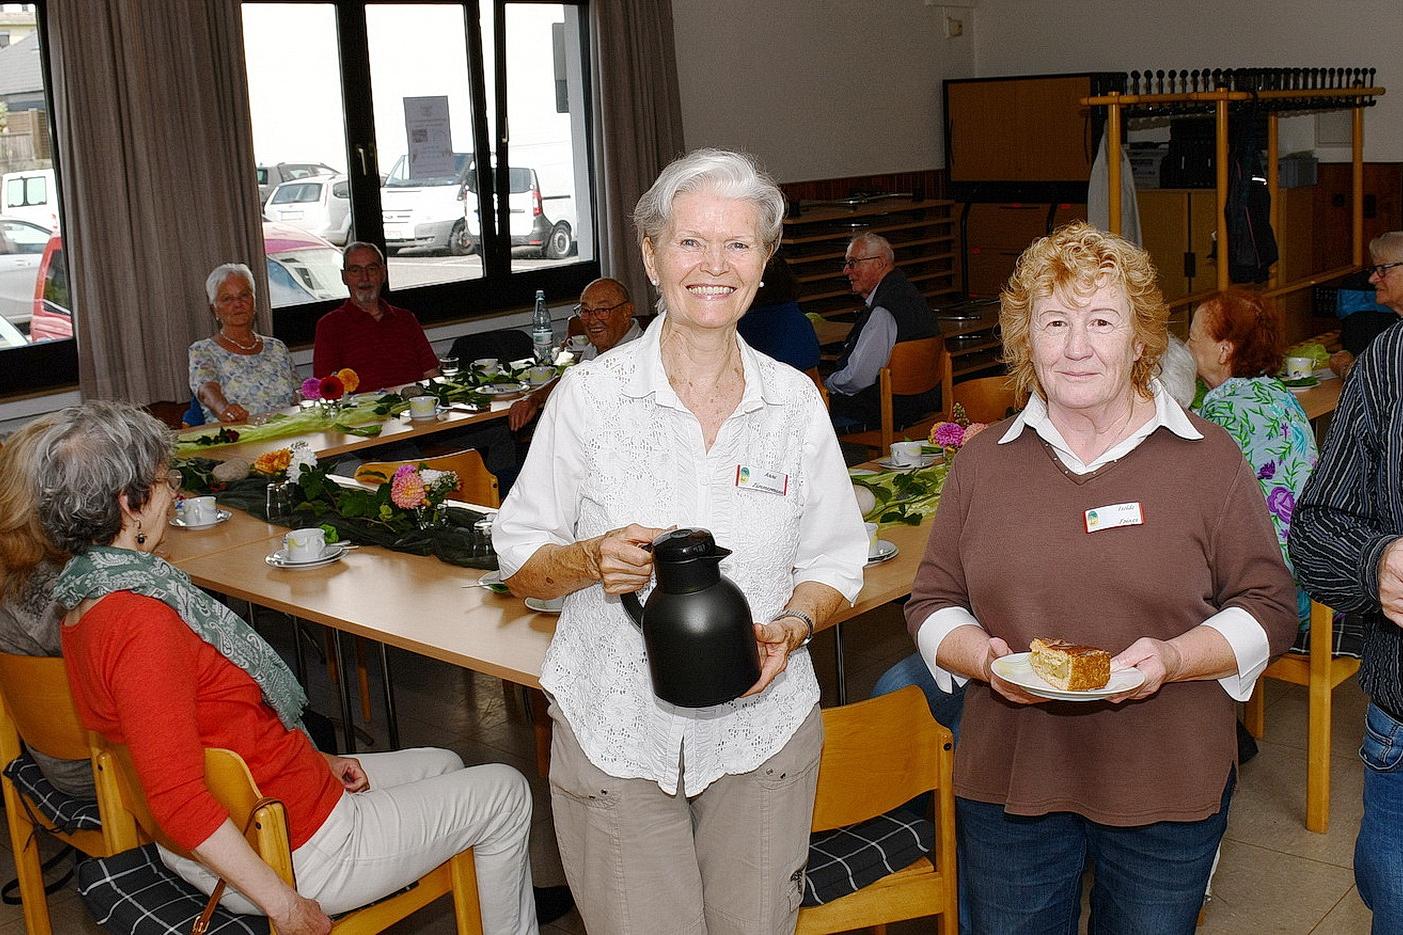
(305, 545)
(488, 366)
(199, 511)
(906, 452)
(1298, 368)
(422, 407)
(872, 547)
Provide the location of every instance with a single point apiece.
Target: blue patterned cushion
(68, 813)
(133, 893)
(844, 860)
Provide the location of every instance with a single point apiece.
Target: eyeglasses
(583, 312)
(175, 480)
(1382, 269)
(231, 298)
(850, 263)
(368, 268)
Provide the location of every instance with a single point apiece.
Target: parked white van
(427, 213)
(31, 195)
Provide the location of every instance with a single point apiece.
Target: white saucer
(492, 581)
(220, 516)
(886, 551)
(545, 607)
(921, 462)
(502, 389)
(332, 553)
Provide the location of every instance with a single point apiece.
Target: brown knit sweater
(1009, 543)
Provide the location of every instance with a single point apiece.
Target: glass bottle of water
(542, 334)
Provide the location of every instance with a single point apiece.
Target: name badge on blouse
(1117, 514)
(752, 478)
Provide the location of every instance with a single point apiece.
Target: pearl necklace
(242, 347)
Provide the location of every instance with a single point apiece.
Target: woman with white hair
(239, 372)
(671, 818)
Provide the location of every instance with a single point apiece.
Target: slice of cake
(1069, 666)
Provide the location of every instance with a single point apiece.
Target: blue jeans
(945, 706)
(1378, 851)
(1022, 876)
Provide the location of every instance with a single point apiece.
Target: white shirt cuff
(932, 633)
(1249, 645)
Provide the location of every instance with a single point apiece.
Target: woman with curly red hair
(1236, 342)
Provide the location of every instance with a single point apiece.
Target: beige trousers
(729, 861)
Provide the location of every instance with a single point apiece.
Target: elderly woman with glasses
(1386, 276)
(239, 372)
(669, 818)
(1106, 516)
(156, 664)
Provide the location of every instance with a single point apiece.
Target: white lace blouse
(615, 446)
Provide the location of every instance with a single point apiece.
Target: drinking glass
(448, 366)
(482, 538)
(279, 504)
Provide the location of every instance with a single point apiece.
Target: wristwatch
(798, 615)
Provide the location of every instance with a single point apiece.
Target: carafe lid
(684, 545)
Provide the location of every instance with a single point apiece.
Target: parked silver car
(318, 204)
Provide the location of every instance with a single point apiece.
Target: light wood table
(1321, 400)
(327, 443)
(179, 545)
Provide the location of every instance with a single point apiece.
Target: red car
(52, 319)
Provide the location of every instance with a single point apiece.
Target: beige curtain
(640, 123)
(156, 156)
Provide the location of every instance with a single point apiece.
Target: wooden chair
(476, 484)
(232, 785)
(914, 367)
(35, 706)
(813, 374)
(986, 399)
(878, 754)
(1320, 672)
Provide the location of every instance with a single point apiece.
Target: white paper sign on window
(430, 140)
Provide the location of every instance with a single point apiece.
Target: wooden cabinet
(997, 234)
(922, 234)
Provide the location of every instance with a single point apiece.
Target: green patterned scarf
(102, 570)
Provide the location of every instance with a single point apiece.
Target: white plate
(220, 516)
(333, 553)
(492, 581)
(502, 389)
(1302, 389)
(861, 472)
(545, 607)
(922, 461)
(1017, 669)
(885, 552)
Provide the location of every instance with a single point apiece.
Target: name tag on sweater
(1117, 514)
(752, 478)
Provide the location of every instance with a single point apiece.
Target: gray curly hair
(88, 458)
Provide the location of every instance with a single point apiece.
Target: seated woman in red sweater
(156, 664)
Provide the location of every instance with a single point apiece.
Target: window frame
(499, 289)
(38, 369)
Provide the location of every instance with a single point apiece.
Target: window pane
(30, 249)
(424, 138)
(294, 84)
(551, 215)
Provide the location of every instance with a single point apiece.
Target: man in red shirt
(383, 344)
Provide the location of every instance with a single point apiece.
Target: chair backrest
(878, 754)
(918, 366)
(36, 696)
(505, 344)
(228, 780)
(986, 399)
(476, 484)
(813, 374)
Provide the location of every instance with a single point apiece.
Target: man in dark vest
(895, 311)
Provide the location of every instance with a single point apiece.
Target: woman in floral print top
(1236, 342)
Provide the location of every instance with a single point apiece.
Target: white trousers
(422, 807)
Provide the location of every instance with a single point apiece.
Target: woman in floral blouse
(1236, 342)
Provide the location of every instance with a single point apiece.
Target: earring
(140, 536)
(762, 284)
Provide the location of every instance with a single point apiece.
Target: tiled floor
(1275, 876)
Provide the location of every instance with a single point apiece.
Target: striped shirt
(1352, 510)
